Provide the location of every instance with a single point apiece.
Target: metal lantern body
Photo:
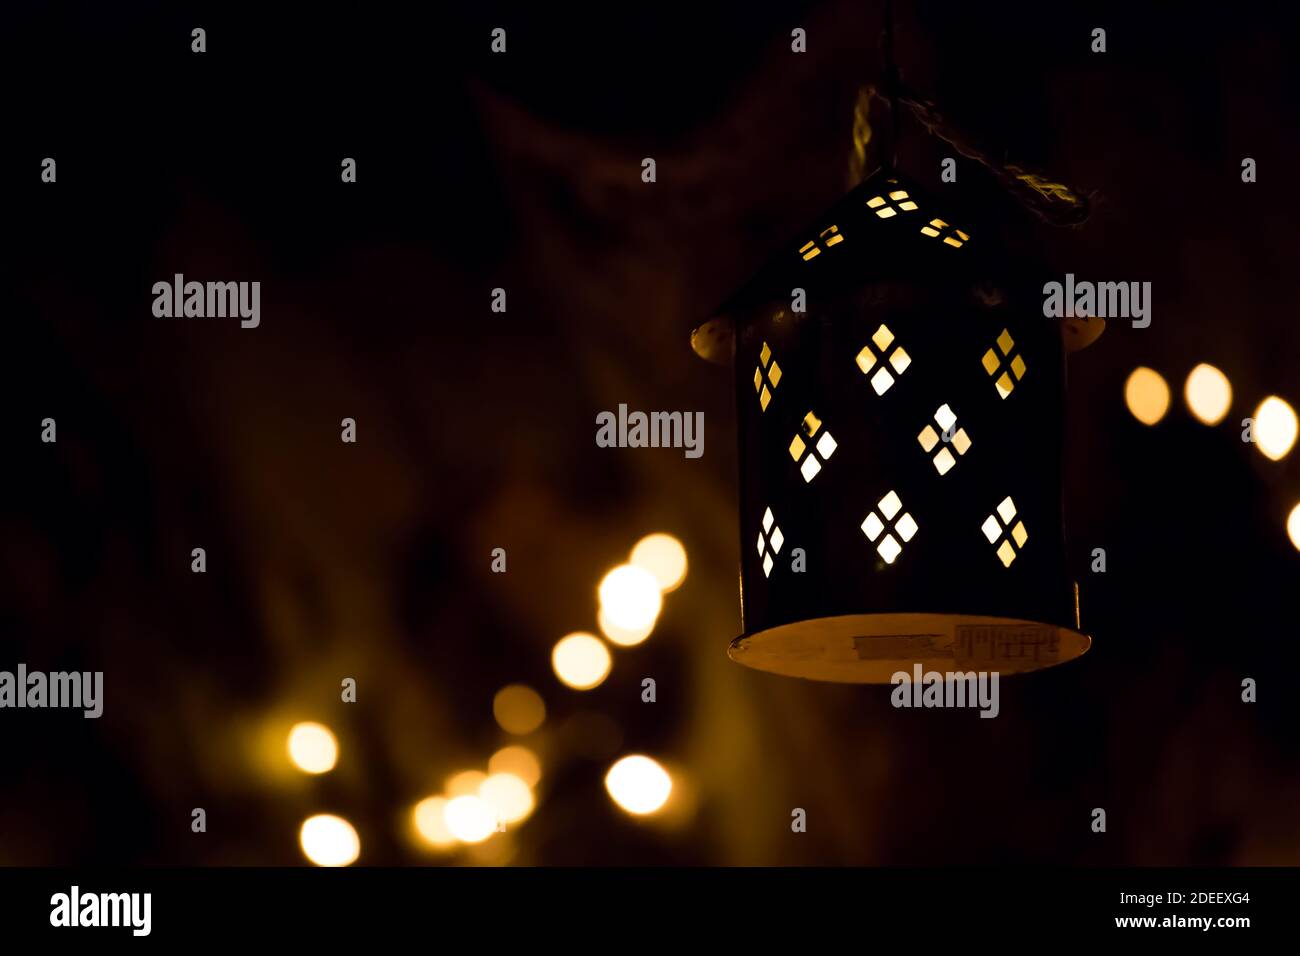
(900, 451)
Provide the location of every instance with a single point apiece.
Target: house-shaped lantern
(900, 414)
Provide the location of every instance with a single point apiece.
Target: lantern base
(872, 648)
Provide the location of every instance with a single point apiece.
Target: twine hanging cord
(1053, 202)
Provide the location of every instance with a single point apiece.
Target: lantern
(900, 404)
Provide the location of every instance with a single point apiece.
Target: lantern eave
(877, 256)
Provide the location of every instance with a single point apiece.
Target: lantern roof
(886, 229)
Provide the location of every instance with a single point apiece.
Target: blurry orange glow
(519, 761)
(1293, 526)
(581, 661)
(1208, 394)
(630, 597)
(638, 784)
(1147, 395)
(312, 747)
(470, 819)
(1275, 428)
(518, 709)
(508, 796)
(328, 840)
(467, 781)
(623, 636)
(664, 557)
(431, 823)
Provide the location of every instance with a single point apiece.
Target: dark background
(476, 429)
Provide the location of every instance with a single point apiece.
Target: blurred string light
(638, 784)
(581, 661)
(430, 821)
(630, 598)
(518, 709)
(1293, 526)
(1275, 428)
(1208, 393)
(467, 781)
(477, 805)
(312, 747)
(1147, 395)
(623, 636)
(509, 796)
(328, 840)
(470, 818)
(664, 557)
(519, 761)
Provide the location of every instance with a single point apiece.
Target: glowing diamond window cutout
(830, 236)
(898, 359)
(1015, 364)
(767, 376)
(951, 440)
(950, 235)
(818, 454)
(888, 208)
(880, 527)
(1012, 537)
(770, 540)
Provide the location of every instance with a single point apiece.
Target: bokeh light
(1275, 428)
(664, 557)
(508, 796)
(328, 840)
(470, 818)
(581, 661)
(312, 747)
(466, 781)
(431, 823)
(623, 636)
(519, 761)
(1147, 395)
(1208, 393)
(1293, 526)
(518, 709)
(630, 597)
(638, 784)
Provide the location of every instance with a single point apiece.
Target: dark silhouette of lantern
(905, 431)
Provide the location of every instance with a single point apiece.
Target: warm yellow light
(1293, 526)
(1147, 395)
(519, 761)
(467, 781)
(508, 796)
(581, 660)
(664, 557)
(312, 747)
(623, 636)
(1208, 393)
(470, 819)
(518, 709)
(638, 784)
(431, 822)
(630, 597)
(328, 840)
(1275, 428)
